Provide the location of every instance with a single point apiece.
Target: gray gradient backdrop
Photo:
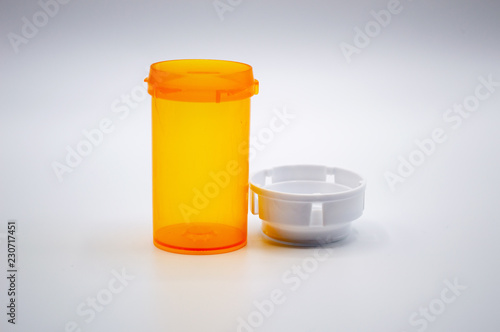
(364, 113)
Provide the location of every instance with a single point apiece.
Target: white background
(441, 223)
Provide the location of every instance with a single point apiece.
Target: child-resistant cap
(196, 80)
(307, 205)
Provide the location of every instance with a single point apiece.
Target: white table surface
(438, 227)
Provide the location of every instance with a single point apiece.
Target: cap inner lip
(306, 189)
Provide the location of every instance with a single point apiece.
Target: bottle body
(200, 175)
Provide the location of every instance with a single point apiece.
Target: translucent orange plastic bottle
(201, 122)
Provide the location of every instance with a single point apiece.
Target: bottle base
(199, 238)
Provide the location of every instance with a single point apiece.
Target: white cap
(307, 205)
